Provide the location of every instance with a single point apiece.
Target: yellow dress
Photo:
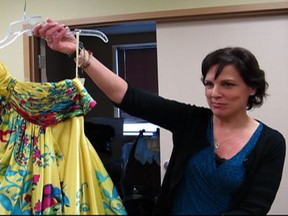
(47, 164)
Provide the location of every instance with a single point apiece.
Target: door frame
(32, 49)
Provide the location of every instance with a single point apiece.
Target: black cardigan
(188, 125)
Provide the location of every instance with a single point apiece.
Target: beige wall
(12, 10)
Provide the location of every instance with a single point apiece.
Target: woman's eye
(228, 84)
(208, 84)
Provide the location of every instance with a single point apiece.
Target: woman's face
(227, 95)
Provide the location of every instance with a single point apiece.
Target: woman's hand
(60, 39)
(58, 36)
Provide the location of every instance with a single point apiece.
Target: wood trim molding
(249, 10)
(30, 58)
(26, 58)
(187, 14)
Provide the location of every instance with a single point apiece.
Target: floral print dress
(47, 164)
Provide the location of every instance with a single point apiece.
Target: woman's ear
(252, 91)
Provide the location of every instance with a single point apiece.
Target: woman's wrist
(74, 54)
(84, 56)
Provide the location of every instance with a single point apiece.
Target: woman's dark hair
(247, 65)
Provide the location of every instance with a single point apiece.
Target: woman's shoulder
(272, 133)
(271, 140)
(271, 145)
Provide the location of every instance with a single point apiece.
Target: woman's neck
(239, 122)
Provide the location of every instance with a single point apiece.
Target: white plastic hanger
(19, 27)
(91, 32)
(27, 24)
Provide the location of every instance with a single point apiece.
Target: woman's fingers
(58, 36)
(53, 31)
(40, 30)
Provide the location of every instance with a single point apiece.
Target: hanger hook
(24, 11)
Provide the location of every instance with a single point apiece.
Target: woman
(223, 160)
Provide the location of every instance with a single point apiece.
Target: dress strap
(82, 80)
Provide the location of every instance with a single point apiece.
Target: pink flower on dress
(77, 97)
(92, 104)
(25, 140)
(35, 140)
(28, 198)
(48, 189)
(38, 206)
(36, 153)
(69, 91)
(31, 99)
(35, 178)
(48, 199)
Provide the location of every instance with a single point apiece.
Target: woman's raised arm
(59, 39)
